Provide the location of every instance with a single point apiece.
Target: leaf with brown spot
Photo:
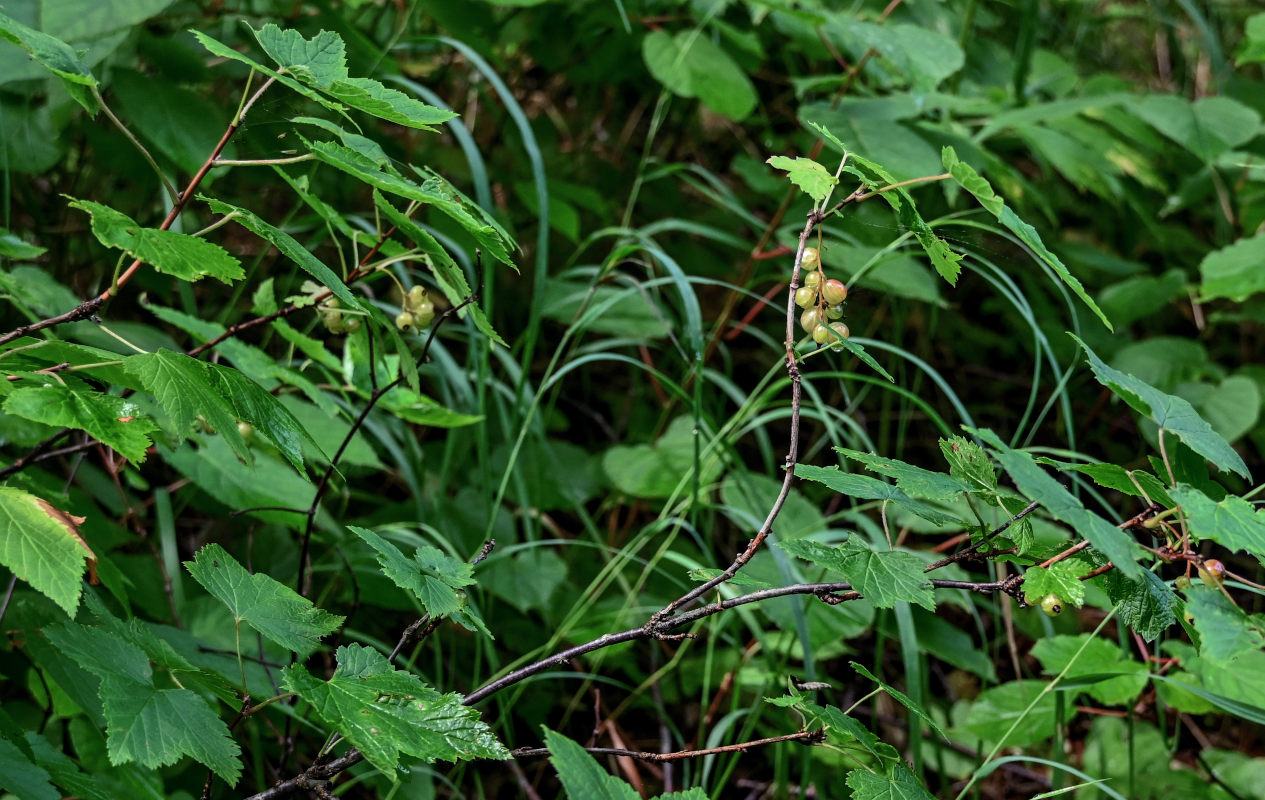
(42, 545)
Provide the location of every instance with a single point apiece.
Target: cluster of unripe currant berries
(418, 311)
(331, 314)
(822, 301)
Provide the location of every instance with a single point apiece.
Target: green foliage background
(244, 531)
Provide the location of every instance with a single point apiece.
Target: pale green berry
(424, 314)
(416, 296)
(834, 292)
(842, 330)
(810, 319)
(812, 279)
(805, 296)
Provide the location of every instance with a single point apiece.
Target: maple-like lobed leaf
(177, 254)
(270, 607)
(385, 712)
(807, 174)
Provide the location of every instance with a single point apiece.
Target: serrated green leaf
(883, 578)
(392, 105)
(1146, 605)
(419, 409)
(864, 487)
(913, 480)
(1036, 485)
(14, 247)
(321, 62)
(432, 193)
(56, 56)
(18, 773)
(182, 386)
(1136, 482)
(697, 793)
(289, 247)
(901, 698)
(113, 421)
(65, 771)
(187, 387)
(42, 546)
(1225, 631)
(840, 728)
(177, 254)
(144, 724)
(1121, 679)
(969, 463)
(807, 174)
(943, 258)
(155, 727)
(218, 48)
(982, 190)
(972, 181)
(828, 136)
(1169, 412)
(581, 776)
(1234, 272)
(1061, 578)
(273, 609)
(1234, 522)
(900, 785)
(384, 712)
(434, 577)
(254, 404)
(857, 350)
(361, 144)
(447, 273)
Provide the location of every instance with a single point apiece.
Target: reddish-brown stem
(792, 368)
(88, 308)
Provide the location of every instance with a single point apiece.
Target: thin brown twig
(792, 454)
(323, 771)
(744, 274)
(305, 575)
(89, 307)
(966, 552)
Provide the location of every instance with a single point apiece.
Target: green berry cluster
(332, 317)
(822, 300)
(418, 311)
